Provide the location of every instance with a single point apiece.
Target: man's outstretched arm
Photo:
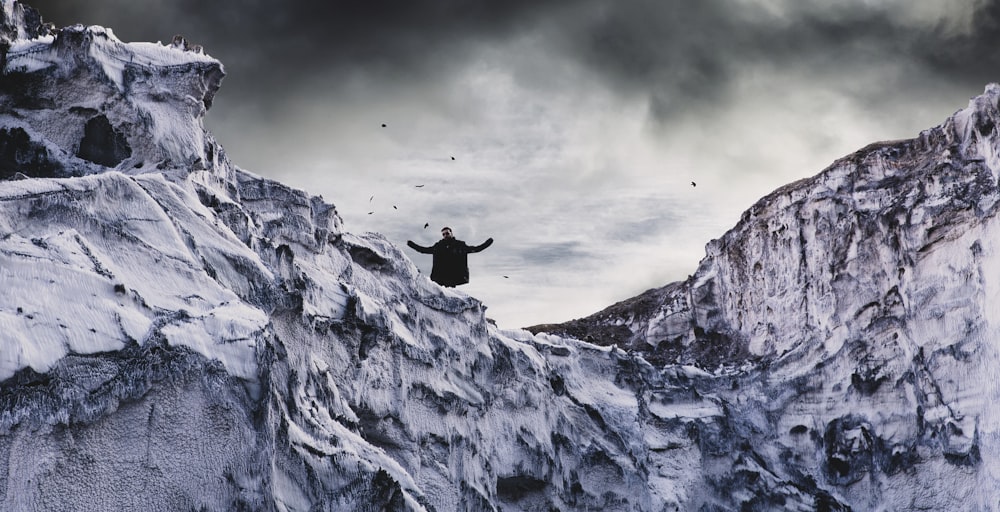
(487, 243)
(420, 248)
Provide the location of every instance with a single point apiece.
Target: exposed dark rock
(102, 143)
(20, 154)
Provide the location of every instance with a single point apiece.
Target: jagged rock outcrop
(79, 100)
(854, 314)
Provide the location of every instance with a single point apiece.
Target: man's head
(446, 232)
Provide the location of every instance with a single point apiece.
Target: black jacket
(451, 263)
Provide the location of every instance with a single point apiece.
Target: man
(451, 263)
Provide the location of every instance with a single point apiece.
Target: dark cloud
(679, 54)
(684, 55)
(547, 103)
(971, 57)
(271, 45)
(674, 52)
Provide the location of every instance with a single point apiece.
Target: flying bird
(418, 186)
(394, 207)
(383, 125)
(426, 224)
(693, 184)
(369, 213)
(452, 158)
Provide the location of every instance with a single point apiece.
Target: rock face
(78, 100)
(177, 333)
(855, 313)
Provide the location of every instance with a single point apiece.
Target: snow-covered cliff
(179, 334)
(856, 316)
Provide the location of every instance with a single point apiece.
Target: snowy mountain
(177, 333)
(855, 314)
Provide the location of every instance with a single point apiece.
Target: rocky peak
(78, 101)
(853, 314)
(179, 334)
(860, 230)
(19, 21)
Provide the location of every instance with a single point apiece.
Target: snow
(684, 410)
(126, 296)
(30, 55)
(864, 298)
(29, 274)
(159, 93)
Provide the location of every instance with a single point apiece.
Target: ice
(114, 55)
(228, 333)
(28, 56)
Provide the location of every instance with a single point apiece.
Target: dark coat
(451, 263)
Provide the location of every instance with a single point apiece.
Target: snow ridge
(856, 309)
(178, 333)
(131, 106)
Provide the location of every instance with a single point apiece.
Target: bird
(383, 125)
(693, 184)
(369, 213)
(426, 224)
(452, 158)
(505, 277)
(394, 207)
(370, 198)
(418, 186)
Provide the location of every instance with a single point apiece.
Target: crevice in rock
(102, 143)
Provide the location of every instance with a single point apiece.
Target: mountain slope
(178, 333)
(863, 300)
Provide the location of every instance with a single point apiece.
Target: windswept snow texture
(179, 334)
(855, 315)
(85, 101)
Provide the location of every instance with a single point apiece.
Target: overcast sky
(569, 131)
